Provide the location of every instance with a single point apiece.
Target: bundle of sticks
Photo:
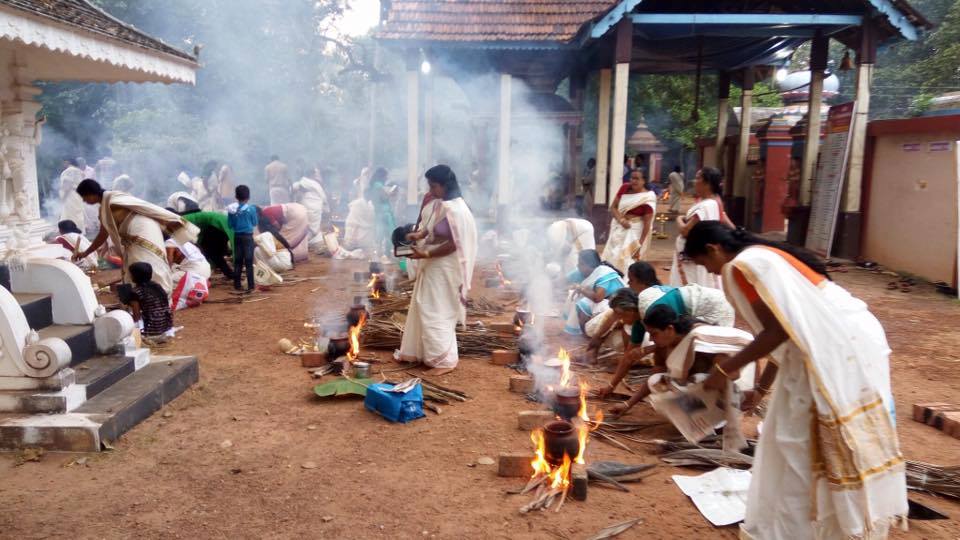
(400, 301)
(615, 432)
(545, 496)
(935, 479)
(386, 333)
(435, 394)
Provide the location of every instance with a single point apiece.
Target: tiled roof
(81, 14)
(555, 21)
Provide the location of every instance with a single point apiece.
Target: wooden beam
(866, 57)
(413, 137)
(504, 180)
(742, 176)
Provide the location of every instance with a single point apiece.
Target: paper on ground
(720, 495)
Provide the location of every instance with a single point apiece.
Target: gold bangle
(763, 390)
(722, 372)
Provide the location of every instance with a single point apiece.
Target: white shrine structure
(72, 376)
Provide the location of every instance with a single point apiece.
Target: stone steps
(106, 416)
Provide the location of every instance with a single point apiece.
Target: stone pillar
(849, 222)
(621, 82)
(504, 175)
(811, 149)
(723, 104)
(428, 160)
(603, 139)
(737, 209)
(19, 136)
(413, 132)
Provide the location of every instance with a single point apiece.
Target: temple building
(538, 44)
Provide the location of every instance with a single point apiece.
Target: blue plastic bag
(395, 406)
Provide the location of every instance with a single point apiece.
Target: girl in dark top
(149, 302)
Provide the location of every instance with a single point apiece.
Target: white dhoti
(143, 241)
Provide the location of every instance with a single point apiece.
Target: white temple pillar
(811, 146)
(741, 175)
(858, 143)
(504, 177)
(618, 135)
(413, 137)
(19, 136)
(428, 123)
(603, 138)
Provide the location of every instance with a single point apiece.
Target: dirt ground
(225, 459)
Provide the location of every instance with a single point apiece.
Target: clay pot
(560, 438)
(339, 346)
(353, 316)
(566, 402)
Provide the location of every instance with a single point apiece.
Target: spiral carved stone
(45, 358)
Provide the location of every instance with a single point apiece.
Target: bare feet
(436, 372)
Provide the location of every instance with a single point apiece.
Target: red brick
(951, 424)
(504, 358)
(521, 384)
(515, 465)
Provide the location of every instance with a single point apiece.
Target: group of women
(828, 463)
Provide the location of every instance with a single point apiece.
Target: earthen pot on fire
(566, 402)
(560, 438)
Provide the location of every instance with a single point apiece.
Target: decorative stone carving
(74, 301)
(112, 329)
(45, 357)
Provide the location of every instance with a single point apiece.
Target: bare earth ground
(171, 477)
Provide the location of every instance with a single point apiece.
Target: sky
(361, 16)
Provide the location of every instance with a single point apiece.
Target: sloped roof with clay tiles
(83, 15)
(484, 21)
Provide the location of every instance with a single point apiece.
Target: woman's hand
(605, 391)
(716, 380)
(419, 253)
(681, 222)
(625, 223)
(415, 236)
(78, 256)
(619, 409)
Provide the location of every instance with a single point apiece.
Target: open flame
(583, 427)
(557, 477)
(503, 280)
(354, 351)
(374, 286)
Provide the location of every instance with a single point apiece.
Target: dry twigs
(934, 479)
(615, 529)
(386, 334)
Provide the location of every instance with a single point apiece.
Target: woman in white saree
(446, 251)
(631, 228)
(828, 464)
(708, 187)
(136, 227)
(310, 193)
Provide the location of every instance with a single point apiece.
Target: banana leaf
(342, 387)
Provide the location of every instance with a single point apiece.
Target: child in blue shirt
(242, 218)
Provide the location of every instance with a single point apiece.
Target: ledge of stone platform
(106, 416)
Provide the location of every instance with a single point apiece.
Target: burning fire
(354, 351)
(557, 477)
(503, 280)
(372, 285)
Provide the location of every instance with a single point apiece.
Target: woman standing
(708, 187)
(633, 209)
(598, 280)
(385, 221)
(446, 248)
(828, 464)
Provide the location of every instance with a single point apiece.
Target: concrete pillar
(428, 122)
(504, 178)
(851, 195)
(603, 138)
(741, 176)
(621, 80)
(850, 220)
(413, 137)
(723, 104)
(618, 135)
(811, 149)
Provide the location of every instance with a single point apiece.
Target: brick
(531, 420)
(521, 384)
(579, 481)
(501, 357)
(951, 424)
(313, 359)
(504, 327)
(515, 465)
(935, 415)
(923, 412)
